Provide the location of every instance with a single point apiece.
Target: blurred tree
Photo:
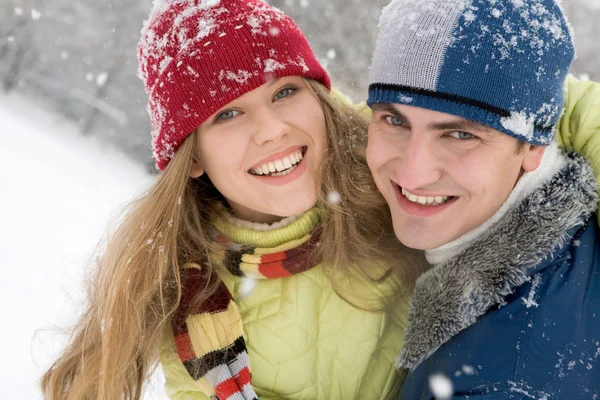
(15, 39)
(584, 16)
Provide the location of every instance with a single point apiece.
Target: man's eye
(461, 135)
(225, 115)
(394, 120)
(284, 93)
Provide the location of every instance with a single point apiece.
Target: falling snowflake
(467, 369)
(334, 198)
(441, 386)
(101, 79)
(247, 287)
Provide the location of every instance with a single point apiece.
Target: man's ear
(532, 157)
(196, 171)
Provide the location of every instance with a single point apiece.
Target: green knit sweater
(304, 341)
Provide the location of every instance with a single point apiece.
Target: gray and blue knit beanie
(501, 63)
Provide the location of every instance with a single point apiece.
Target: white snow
(520, 124)
(272, 65)
(59, 190)
(334, 198)
(205, 27)
(164, 63)
(246, 287)
(441, 386)
(206, 4)
(405, 99)
(467, 369)
(240, 77)
(255, 23)
(529, 301)
(193, 72)
(469, 16)
(546, 28)
(35, 14)
(158, 6)
(101, 78)
(18, 11)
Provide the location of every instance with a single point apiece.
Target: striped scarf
(209, 337)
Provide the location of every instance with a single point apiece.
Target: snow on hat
(498, 62)
(196, 56)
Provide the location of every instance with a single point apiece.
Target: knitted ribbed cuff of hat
(518, 125)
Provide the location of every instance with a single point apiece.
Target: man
(466, 95)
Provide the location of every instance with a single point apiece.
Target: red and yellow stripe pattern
(209, 337)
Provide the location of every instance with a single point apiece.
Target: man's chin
(424, 240)
(411, 243)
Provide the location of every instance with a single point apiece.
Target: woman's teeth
(280, 167)
(425, 200)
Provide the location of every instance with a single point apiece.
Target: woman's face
(264, 150)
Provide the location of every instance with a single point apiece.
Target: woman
(260, 260)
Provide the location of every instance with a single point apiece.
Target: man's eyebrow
(459, 125)
(388, 108)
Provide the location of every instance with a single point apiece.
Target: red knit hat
(196, 56)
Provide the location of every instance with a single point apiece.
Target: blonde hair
(136, 286)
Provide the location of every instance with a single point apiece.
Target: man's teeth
(425, 200)
(280, 167)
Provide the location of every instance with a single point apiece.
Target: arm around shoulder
(579, 126)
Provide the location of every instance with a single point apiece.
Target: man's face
(441, 175)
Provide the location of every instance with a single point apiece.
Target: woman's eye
(462, 135)
(394, 120)
(284, 93)
(225, 115)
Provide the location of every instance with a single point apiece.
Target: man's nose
(418, 165)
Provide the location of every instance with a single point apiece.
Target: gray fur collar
(451, 296)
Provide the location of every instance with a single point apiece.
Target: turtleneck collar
(247, 233)
(552, 161)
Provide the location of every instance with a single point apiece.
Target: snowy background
(59, 191)
(74, 138)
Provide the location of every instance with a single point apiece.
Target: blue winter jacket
(516, 315)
